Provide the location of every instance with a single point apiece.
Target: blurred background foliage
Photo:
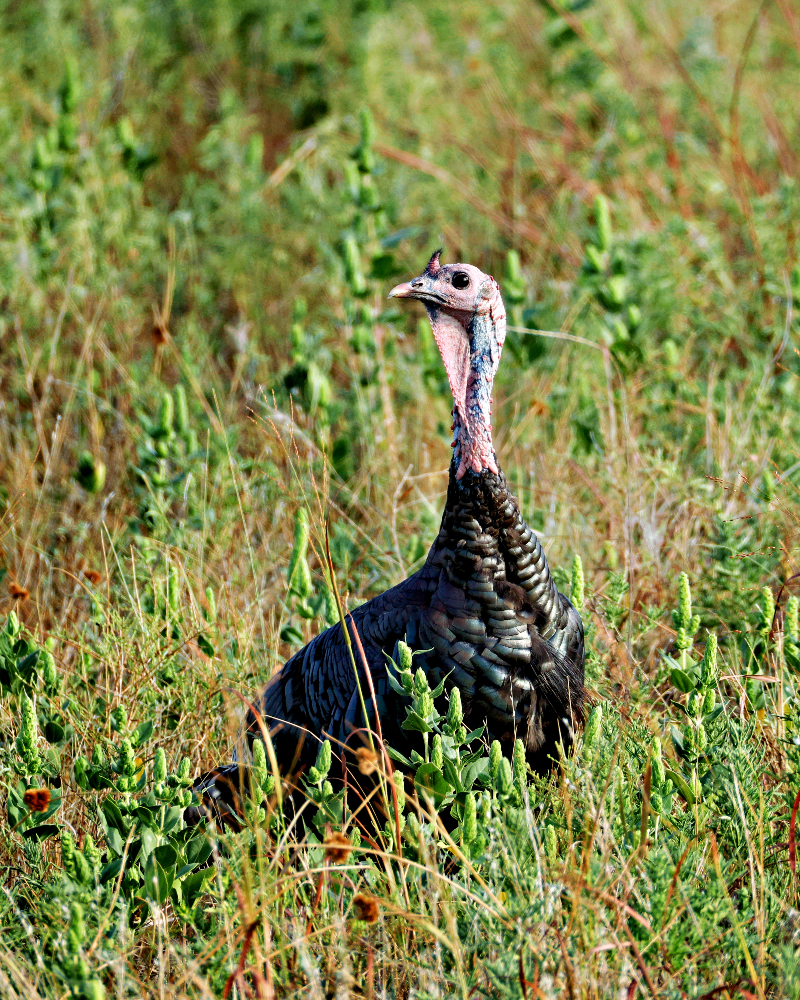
(202, 207)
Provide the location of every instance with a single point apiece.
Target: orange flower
(366, 907)
(19, 593)
(367, 760)
(337, 848)
(92, 576)
(37, 799)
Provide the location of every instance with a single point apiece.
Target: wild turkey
(484, 605)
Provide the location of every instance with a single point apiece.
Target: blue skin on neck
(485, 349)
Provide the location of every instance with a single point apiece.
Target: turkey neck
(470, 345)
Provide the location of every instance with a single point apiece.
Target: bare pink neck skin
(470, 345)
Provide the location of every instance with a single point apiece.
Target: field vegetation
(202, 208)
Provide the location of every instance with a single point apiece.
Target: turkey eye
(460, 279)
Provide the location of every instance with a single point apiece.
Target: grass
(202, 208)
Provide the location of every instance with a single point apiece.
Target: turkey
(483, 610)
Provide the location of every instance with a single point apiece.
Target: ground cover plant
(203, 388)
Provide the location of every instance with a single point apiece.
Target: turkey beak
(408, 290)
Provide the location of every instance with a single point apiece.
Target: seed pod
(495, 756)
(12, 628)
(577, 585)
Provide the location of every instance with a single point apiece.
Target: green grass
(202, 208)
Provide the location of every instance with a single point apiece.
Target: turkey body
(487, 618)
(483, 613)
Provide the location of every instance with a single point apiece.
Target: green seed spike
(352, 177)
(68, 853)
(686, 624)
(505, 779)
(577, 584)
(71, 87)
(469, 825)
(76, 923)
(260, 768)
(298, 567)
(602, 211)
(92, 853)
(520, 766)
(437, 753)
(495, 756)
(352, 264)
(120, 719)
(324, 757)
(397, 777)
(185, 772)
(455, 713)
(211, 605)
(551, 844)
(83, 871)
(181, 411)
(708, 670)
(791, 626)
(767, 611)
(26, 741)
(591, 733)
(165, 417)
(127, 759)
(406, 656)
(657, 771)
(160, 766)
(50, 679)
(173, 590)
